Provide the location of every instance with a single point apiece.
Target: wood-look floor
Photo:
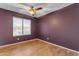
(35, 48)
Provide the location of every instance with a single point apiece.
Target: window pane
(26, 27)
(17, 26)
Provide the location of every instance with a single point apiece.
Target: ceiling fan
(32, 10)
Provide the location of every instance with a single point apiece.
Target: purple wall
(61, 27)
(6, 29)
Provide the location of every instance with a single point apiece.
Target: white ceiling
(22, 7)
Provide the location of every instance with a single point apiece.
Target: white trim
(59, 46)
(17, 43)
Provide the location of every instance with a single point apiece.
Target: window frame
(22, 26)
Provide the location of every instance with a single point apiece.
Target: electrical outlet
(18, 39)
(47, 38)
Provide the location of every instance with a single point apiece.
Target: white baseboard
(60, 46)
(17, 43)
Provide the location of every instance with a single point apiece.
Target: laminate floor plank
(35, 48)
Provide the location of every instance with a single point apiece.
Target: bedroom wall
(61, 27)
(6, 27)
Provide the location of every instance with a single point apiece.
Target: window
(26, 27)
(21, 26)
(17, 26)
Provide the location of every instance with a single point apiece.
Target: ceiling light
(32, 10)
